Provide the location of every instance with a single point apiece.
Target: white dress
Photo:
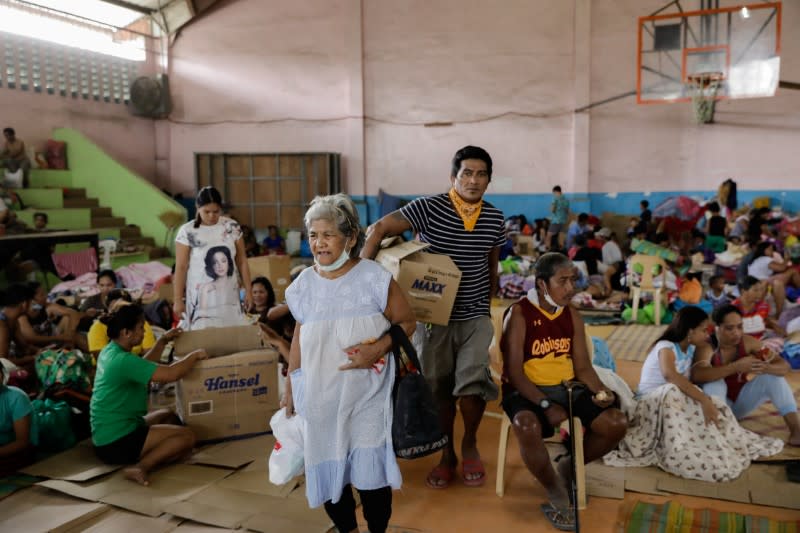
(666, 428)
(348, 413)
(212, 282)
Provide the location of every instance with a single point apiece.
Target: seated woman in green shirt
(16, 450)
(122, 430)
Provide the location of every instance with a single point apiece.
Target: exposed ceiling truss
(170, 15)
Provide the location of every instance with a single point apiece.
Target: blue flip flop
(561, 519)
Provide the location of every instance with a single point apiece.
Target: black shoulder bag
(415, 425)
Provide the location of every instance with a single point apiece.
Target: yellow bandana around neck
(468, 212)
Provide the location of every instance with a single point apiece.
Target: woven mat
(633, 342)
(766, 421)
(644, 517)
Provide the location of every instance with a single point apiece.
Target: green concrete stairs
(69, 208)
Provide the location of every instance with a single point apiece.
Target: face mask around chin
(336, 265)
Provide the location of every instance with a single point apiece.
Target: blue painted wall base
(538, 205)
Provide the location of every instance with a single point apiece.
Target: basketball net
(703, 88)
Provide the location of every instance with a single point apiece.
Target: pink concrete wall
(507, 78)
(468, 63)
(658, 147)
(34, 116)
(266, 76)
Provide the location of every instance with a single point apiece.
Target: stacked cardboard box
(235, 391)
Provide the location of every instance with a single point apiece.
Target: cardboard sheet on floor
(737, 490)
(761, 484)
(236, 453)
(119, 520)
(221, 507)
(257, 481)
(605, 481)
(168, 485)
(644, 479)
(232, 508)
(76, 464)
(290, 515)
(770, 486)
(38, 509)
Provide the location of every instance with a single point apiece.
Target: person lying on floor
(676, 427)
(123, 432)
(46, 324)
(16, 450)
(543, 346)
(740, 370)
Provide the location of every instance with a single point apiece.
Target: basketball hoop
(703, 88)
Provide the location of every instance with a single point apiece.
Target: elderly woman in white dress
(340, 370)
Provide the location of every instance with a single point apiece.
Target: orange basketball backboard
(742, 43)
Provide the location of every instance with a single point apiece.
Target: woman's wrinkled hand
(362, 356)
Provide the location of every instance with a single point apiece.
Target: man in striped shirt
(455, 358)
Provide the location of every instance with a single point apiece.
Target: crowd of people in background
(723, 354)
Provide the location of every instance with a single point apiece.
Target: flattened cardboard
(219, 341)
(231, 508)
(206, 514)
(770, 486)
(644, 479)
(256, 479)
(38, 509)
(168, 485)
(737, 490)
(605, 481)
(232, 395)
(236, 453)
(218, 506)
(119, 520)
(288, 516)
(276, 268)
(76, 464)
(430, 281)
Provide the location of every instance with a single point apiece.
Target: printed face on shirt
(326, 241)
(221, 265)
(471, 181)
(562, 285)
(209, 214)
(731, 330)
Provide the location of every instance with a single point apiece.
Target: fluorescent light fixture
(745, 13)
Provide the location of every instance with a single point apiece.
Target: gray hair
(339, 209)
(549, 263)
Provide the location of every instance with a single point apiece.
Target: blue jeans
(764, 387)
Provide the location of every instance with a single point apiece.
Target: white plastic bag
(286, 459)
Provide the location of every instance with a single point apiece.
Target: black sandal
(561, 519)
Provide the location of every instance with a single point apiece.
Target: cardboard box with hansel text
(276, 268)
(430, 281)
(233, 392)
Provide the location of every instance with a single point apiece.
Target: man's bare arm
(392, 224)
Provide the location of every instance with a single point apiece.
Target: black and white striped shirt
(436, 222)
